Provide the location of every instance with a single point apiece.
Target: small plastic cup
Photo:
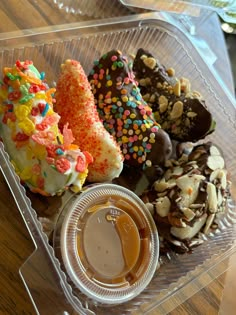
(108, 243)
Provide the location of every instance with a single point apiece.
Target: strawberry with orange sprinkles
(75, 105)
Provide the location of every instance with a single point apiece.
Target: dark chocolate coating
(194, 121)
(196, 163)
(125, 114)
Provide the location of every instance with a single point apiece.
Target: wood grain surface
(217, 296)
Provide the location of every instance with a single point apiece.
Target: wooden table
(217, 297)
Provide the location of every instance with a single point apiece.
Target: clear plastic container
(42, 274)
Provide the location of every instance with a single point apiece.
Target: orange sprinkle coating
(75, 104)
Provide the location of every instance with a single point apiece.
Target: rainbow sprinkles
(45, 159)
(125, 115)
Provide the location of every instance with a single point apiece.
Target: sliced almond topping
(188, 213)
(189, 231)
(183, 158)
(197, 205)
(178, 243)
(212, 197)
(195, 154)
(174, 221)
(168, 163)
(171, 183)
(214, 150)
(215, 161)
(209, 222)
(167, 174)
(195, 242)
(192, 163)
(214, 175)
(163, 206)
(160, 186)
(177, 171)
(189, 185)
(223, 178)
(220, 174)
(219, 198)
(162, 194)
(150, 207)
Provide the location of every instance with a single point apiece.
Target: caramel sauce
(113, 242)
(130, 239)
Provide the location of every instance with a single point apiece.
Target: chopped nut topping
(177, 88)
(191, 114)
(171, 72)
(177, 110)
(157, 116)
(178, 122)
(163, 103)
(185, 85)
(146, 97)
(132, 56)
(142, 82)
(152, 98)
(143, 57)
(196, 94)
(148, 81)
(187, 122)
(150, 62)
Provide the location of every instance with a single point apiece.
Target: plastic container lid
(108, 243)
(226, 9)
